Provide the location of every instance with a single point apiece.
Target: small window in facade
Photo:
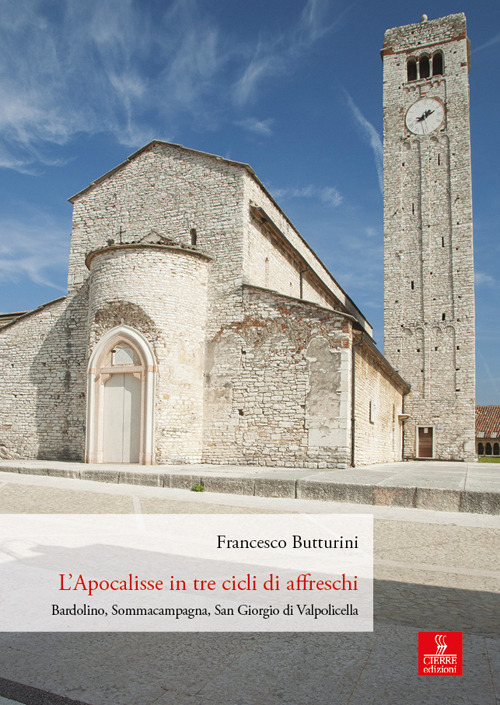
(424, 66)
(437, 64)
(411, 68)
(193, 236)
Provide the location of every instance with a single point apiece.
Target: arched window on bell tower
(437, 64)
(424, 66)
(411, 69)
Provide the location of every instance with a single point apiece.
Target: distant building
(488, 430)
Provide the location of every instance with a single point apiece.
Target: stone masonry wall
(270, 265)
(277, 386)
(378, 403)
(171, 190)
(42, 395)
(162, 293)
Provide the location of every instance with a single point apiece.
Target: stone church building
(199, 326)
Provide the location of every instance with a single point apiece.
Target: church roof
(6, 318)
(488, 421)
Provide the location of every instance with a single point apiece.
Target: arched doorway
(120, 399)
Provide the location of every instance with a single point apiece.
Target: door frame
(425, 457)
(97, 374)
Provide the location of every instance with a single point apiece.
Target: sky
(291, 87)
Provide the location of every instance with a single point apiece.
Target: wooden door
(425, 441)
(121, 419)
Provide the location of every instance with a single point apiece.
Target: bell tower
(428, 254)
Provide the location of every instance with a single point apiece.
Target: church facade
(199, 326)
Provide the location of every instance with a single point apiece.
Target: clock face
(425, 116)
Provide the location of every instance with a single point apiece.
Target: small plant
(198, 487)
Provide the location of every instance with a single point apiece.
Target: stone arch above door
(120, 399)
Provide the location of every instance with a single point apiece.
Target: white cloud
(313, 24)
(274, 55)
(265, 63)
(489, 43)
(99, 66)
(373, 138)
(328, 194)
(484, 279)
(121, 66)
(493, 381)
(259, 127)
(36, 248)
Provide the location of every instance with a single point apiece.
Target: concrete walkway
(442, 486)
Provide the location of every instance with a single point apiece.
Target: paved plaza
(434, 570)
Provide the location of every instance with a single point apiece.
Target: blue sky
(292, 87)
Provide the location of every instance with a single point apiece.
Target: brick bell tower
(428, 254)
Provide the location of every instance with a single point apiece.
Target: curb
(437, 499)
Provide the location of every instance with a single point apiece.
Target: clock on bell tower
(428, 255)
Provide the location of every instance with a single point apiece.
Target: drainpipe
(403, 429)
(302, 282)
(353, 397)
(403, 418)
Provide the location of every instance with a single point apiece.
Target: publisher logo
(440, 653)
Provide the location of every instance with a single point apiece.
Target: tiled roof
(6, 318)
(488, 421)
